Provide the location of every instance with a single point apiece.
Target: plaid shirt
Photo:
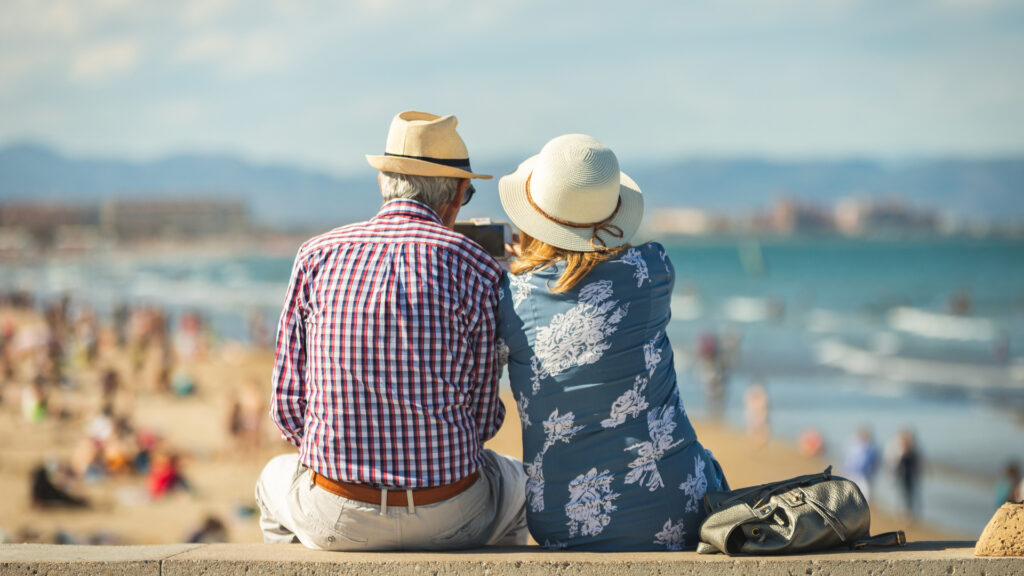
(385, 370)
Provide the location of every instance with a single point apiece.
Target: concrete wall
(917, 559)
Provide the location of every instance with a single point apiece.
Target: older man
(385, 376)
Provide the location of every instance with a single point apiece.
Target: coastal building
(789, 216)
(857, 217)
(132, 220)
(44, 224)
(688, 222)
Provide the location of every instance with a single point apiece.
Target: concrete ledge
(917, 559)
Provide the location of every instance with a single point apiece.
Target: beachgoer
(120, 318)
(715, 355)
(1010, 487)
(46, 494)
(212, 531)
(87, 460)
(960, 304)
(712, 372)
(245, 419)
(34, 399)
(7, 335)
(109, 383)
(862, 460)
(611, 458)
(165, 475)
(756, 409)
(810, 442)
(386, 376)
(906, 465)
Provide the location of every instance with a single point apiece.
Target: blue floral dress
(611, 459)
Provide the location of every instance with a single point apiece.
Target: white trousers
(490, 512)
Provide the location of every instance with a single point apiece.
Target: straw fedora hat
(573, 196)
(424, 144)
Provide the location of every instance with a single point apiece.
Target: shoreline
(220, 474)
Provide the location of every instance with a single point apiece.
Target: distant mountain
(985, 189)
(277, 195)
(286, 196)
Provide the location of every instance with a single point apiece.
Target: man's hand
(513, 248)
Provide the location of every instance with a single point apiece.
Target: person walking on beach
(906, 466)
(611, 458)
(386, 377)
(862, 460)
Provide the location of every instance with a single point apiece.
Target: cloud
(200, 12)
(99, 62)
(235, 54)
(30, 18)
(206, 47)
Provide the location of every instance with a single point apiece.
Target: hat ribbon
(453, 162)
(603, 226)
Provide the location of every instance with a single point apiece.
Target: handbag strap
(765, 491)
(883, 540)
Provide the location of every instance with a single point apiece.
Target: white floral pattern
(554, 545)
(672, 536)
(695, 486)
(636, 260)
(539, 373)
(523, 404)
(644, 469)
(535, 482)
(630, 403)
(578, 336)
(652, 356)
(591, 502)
(521, 285)
(557, 428)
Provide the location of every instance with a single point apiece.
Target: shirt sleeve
(288, 398)
(486, 402)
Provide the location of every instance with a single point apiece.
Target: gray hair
(434, 191)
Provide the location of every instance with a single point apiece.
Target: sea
(844, 334)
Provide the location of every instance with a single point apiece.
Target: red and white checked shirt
(385, 371)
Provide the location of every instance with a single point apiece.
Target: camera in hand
(490, 235)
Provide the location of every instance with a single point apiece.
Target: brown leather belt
(395, 496)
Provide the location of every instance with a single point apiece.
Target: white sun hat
(573, 196)
(424, 144)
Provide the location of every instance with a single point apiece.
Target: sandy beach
(221, 474)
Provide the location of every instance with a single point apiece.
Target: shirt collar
(406, 208)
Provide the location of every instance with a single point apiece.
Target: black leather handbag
(802, 514)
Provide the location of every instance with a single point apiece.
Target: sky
(316, 83)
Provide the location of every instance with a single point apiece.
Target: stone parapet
(917, 559)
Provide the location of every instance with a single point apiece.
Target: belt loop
(383, 501)
(409, 503)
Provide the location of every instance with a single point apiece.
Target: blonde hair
(537, 255)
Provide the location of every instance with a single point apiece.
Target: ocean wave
(235, 294)
(825, 321)
(685, 307)
(942, 326)
(861, 362)
(750, 310)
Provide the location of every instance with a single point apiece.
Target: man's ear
(460, 193)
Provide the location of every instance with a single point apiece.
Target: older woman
(611, 458)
